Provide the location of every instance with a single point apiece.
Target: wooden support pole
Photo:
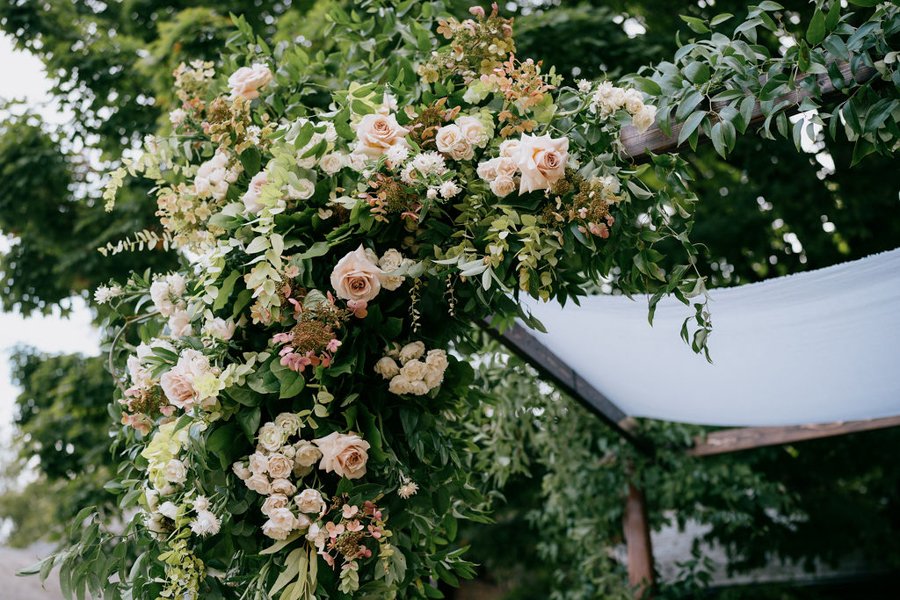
(745, 438)
(637, 540)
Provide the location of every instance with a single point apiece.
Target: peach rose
(247, 81)
(375, 133)
(542, 161)
(345, 454)
(503, 185)
(474, 131)
(356, 277)
(451, 141)
(280, 466)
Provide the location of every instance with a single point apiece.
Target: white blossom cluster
(606, 99)
(413, 376)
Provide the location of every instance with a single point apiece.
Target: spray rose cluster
(415, 375)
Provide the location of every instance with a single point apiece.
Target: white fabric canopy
(815, 347)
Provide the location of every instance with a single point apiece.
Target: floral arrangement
(289, 399)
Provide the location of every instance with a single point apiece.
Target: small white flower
(104, 294)
(449, 189)
(397, 154)
(175, 471)
(201, 503)
(206, 523)
(408, 490)
(584, 86)
(432, 193)
(177, 117)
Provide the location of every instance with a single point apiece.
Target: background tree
(767, 211)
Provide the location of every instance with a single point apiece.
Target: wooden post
(637, 540)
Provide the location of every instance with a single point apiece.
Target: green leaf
(866, 3)
(249, 422)
(834, 15)
(719, 19)
(690, 125)
(696, 25)
(225, 290)
(718, 140)
(816, 31)
(646, 85)
(767, 5)
(696, 72)
(251, 159)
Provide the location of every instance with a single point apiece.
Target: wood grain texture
(734, 440)
(638, 545)
(638, 145)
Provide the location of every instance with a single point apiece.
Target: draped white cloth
(816, 347)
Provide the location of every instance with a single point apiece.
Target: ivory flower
(247, 81)
(356, 277)
(272, 502)
(283, 487)
(178, 383)
(411, 351)
(219, 328)
(451, 141)
(280, 524)
(251, 197)
(180, 323)
(344, 454)
(279, 466)
(375, 133)
(542, 161)
(387, 368)
(310, 501)
(474, 131)
(503, 186)
(259, 483)
(307, 454)
(289, 422)
(206, 523)
(645, 118)
(332, 163)
(271, 437)
(175, 471)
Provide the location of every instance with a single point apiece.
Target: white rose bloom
(283, 487)
(357, 161)
(307, 454)
(487, 170)
(247, 81)
(332, 163)
(280, 524)
(241, 471)
(645, 118)
(162, 297)
(273, 502)
(219, 328)
(152, 498)
(474, 131)
(155, 523)
(302, 191)
(310, 501)
(259, 463)
(387, 368)
(433, 377)
(175, 471)
(634, 101)
(391, 260)
(250, 199)
(414, 370)
(449, 189)
(509, 148)
(271, 437)
(206, 523)
(259, 483)
(168, 510)
(411, 351)
(279, 466)
(180, 324)
(289, 422)
(375, 133)
(503, 186)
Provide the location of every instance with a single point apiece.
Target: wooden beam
(638, 145)
(521, 342)
(734, 440)
(638, 544)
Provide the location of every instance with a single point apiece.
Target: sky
(22, 76)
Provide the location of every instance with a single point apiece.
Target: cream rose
(279, 466)
(247, 81)
(645, 118)
(541, 160)
(271, 437)
(180, 324)
(487, 170)
(251, 197)
(307, 454)
(508, 148)
(375, 133)
(634, 101)
(451, 141)
(178, 382)
(387, 368)
(503, 186)
(310, 501)
(219, 328)
(474, 131)
(414, 370)
(274, 501)
(259, 463)
(175, 471)
(283, 487)
(345, 454)
(259, 483)
(332, 163)
(241, 471)
(280, 524)
(355, 277)
(411, 351)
